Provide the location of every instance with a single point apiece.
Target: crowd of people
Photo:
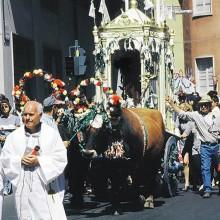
(34, 154)
(198, 123)
(35, 151)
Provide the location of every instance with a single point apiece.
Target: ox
(143, 134)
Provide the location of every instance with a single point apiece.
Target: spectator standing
(49, 110)
(8, 123)
(195, 159)
(215, 103)
(208, 127)
(182, 125)
(215, 109)
(2, 97)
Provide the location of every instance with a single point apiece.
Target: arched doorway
(126, 72)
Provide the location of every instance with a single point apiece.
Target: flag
(92, 10)
(160, 11)
(104, 11)
(126, 4)
(148, 4)
(170, 13)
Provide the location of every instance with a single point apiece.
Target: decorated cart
(134, 56)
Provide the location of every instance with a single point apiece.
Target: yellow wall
(177, 26)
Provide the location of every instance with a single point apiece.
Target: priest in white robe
(33, 175)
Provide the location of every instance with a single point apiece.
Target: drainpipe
(6, 35)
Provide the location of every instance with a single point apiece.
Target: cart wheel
(170, 155)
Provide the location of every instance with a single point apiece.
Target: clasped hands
(30, 160)
(2, 138)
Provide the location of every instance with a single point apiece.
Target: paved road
(184, 206)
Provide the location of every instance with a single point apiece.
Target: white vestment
(31, 184)
(49, 120)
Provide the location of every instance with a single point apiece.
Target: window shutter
(202, 7)
(205, 74)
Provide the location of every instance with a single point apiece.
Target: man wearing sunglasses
(208, 127)
(8, 123)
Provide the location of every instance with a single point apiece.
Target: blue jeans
(208, 154)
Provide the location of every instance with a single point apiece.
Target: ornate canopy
(140, 51)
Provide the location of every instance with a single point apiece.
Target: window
(202, 7)
(23, 50)
(205, 75)
(52, 60)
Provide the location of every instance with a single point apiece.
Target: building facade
(201, 42)
(37, 34)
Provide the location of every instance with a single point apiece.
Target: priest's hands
(30, 160)
(2, 138)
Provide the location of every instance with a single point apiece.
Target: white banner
(104, 11)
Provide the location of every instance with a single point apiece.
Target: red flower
(115, 99)
(105, 89)
(24, 98)
(59, 83)
(99, 83)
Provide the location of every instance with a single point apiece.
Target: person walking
(33, 157)
(208, 127)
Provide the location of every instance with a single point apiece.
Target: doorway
(126, 72)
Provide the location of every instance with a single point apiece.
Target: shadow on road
(92, 208)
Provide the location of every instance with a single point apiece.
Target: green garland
(80, 124)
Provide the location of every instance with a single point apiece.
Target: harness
(78, 125)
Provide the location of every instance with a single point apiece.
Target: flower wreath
(76, 94)
(20, 95)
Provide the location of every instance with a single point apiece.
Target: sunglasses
(4, 106)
